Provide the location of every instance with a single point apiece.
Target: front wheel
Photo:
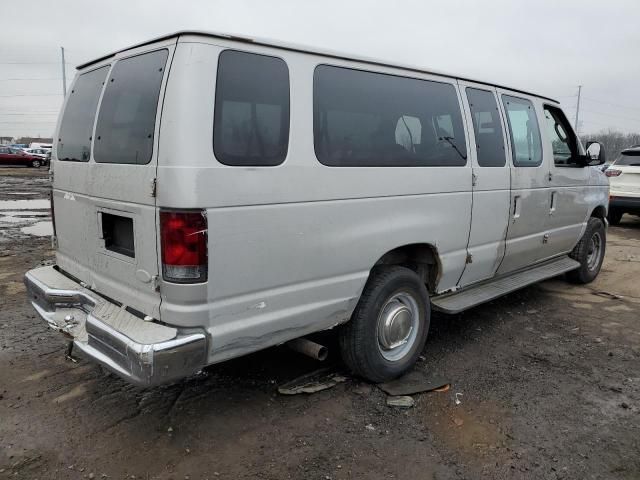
(35, 163)
(389, 326)
(589, 252)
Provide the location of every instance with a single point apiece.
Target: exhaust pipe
(309, 348)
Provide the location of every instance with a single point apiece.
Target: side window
(127, 117)
(366, 119)
(526, 144)
(487, 128)
(563, 141)
(4, 150)
(74, 142)
(251, 119)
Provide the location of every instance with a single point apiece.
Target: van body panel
(278, 271)
(291, 246)
(84, 192)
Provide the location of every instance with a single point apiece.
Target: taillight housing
(612, 172)
(183, 239)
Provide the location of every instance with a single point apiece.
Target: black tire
(614, 216)
(583, 251)
(36, 163)
(359, 338)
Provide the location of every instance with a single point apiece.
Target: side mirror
(595, 154)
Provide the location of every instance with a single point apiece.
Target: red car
(15, 156)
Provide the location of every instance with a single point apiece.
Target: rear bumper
(143, 353)
(630, 203)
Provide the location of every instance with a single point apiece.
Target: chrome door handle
(552, 208)
(516, 207)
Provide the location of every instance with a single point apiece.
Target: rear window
(251, 119)
(74, 140)
(629, 159)
(127, 117)
(367, 119)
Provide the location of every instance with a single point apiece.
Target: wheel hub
(397, 326)
(594, 251)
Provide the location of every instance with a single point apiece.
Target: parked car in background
(16, 156)
(38, 152)
(40, 145)
(624, 182)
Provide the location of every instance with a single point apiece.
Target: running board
(475, 295)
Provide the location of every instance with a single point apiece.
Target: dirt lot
(549, 377)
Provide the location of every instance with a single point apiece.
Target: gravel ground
(549, 377)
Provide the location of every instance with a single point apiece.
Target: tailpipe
(309, 348)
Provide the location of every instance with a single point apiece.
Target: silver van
(215, 195)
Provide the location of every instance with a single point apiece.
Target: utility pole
(578, 109)
(64, 74)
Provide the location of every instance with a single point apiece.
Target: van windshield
(127, 117)
(74, 140)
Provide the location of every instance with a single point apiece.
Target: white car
(38, 152)
(624, 181)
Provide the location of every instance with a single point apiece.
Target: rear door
(104, 176)
(491, 183)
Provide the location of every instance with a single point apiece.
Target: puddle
(25, 214)
(17, 219)
(40, 229)
(24, 204)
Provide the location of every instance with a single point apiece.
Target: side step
(474, 295)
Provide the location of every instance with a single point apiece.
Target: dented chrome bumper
(143, 353)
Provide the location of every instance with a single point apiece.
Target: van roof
(305, 49)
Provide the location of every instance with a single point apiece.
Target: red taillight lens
(183, 236)
(612, 172)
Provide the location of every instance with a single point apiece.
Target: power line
(613, 115)
(611, 104)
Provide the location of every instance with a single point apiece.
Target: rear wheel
(389, 326)
(614, 216)
(35, 163)
(589, 252)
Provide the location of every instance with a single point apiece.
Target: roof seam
(309, 50)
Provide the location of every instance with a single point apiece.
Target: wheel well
(599, 212)
(422, 258)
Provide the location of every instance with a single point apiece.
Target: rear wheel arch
(422, 258)
(599, 212)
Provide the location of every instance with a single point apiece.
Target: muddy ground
(549, 377)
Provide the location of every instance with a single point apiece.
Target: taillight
(183, 237)
(612, 172)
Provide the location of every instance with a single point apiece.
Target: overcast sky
(548, 46)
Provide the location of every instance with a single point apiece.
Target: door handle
(552, 208)
(516, 207)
